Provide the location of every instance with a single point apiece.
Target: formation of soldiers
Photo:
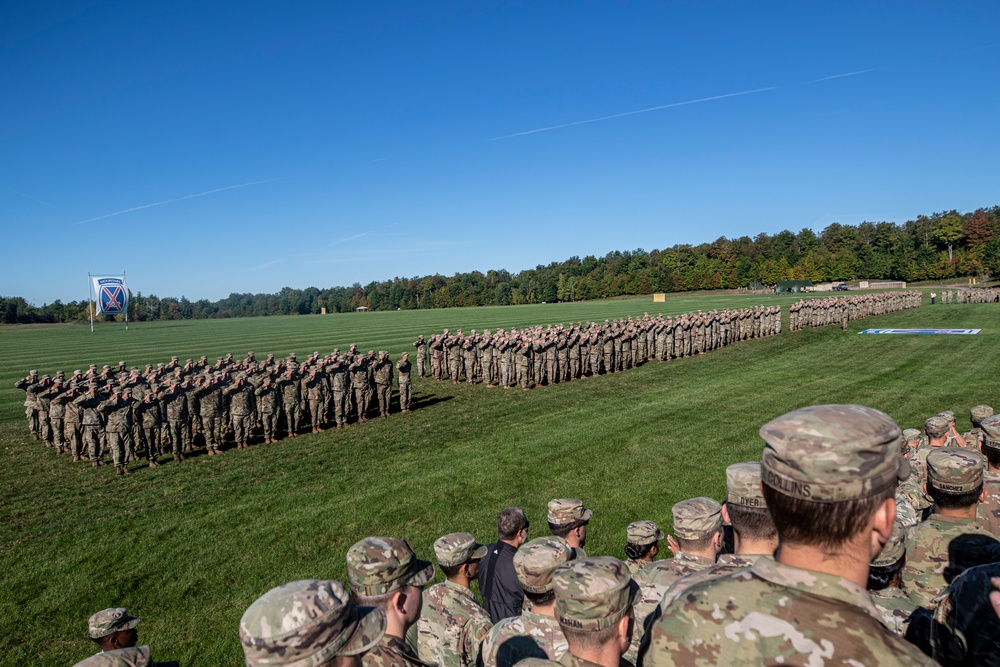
(810, 559)
(844, 309)
(176, 408)
(978, 295)
(551, 354)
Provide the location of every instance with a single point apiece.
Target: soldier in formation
(549, 355)
(841, 310)
(174, 409)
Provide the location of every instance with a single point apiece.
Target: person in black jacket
(502, 594)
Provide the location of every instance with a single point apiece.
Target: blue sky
(209, 148)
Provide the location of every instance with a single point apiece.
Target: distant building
(792, 286)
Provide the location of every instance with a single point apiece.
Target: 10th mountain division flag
(112, 294)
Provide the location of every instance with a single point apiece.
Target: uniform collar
(815, 583)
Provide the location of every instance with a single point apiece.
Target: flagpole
(125, 281)
(90, 295)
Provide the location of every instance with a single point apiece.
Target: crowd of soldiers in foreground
(841, 310)
(175, 409)
(815, 556)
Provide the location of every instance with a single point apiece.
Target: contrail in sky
(171, 201)
(32, 198)
(633, 113)
(841, 76)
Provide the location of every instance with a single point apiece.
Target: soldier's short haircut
(583, 641)
(540, 599)
(949, 500)
(751, 523)
(881, 577)
(564, 529)
(450, 570)
(701, 544)
(818, 524)
(380, 601)
(510, 522)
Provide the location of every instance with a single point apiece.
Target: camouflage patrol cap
(110, 621)
(947, 414)
(77, 372)
(563, 511)
(980, 412)
(911, 434)
(955, 469)
(592, 593)
(174, 358)
(643, 533)
(33, 373)
(991, 431)
(743, 485)
(535, 561)
(457, 549)
(832, 453)
(307, 623)
(381, 565)
(892, 550)
(696, 518)
(936, 426)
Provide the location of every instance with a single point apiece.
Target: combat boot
(118, 471)
(127, 470)
(153, 463)
(178, 458)
(59, 450)
(211, 452)
(75, 458)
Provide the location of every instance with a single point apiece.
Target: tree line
(936, 247)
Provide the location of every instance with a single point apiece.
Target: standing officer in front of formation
(829, 477)
(452, 624)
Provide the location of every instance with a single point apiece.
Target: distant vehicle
(842, 287)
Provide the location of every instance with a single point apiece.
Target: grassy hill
(187, 547)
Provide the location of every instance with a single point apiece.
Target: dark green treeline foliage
(940, 246)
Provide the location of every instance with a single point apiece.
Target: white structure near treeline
(882, 284)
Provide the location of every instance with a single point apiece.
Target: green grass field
(187, 547)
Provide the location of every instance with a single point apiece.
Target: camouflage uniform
(977, 414)
(591, 594)
(405, 386)
(774, 613)
(694, 519)
(531, 634)
(380, 566)
(566, 511)
(641, 533)
(953, 469)
(134, 656)
(743, 489)
(306, 623)
(452, 624)
(988, 512)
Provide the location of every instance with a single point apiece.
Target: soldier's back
(988, 512)
(529, 635)
(451, 627)
(928, 555)
(774, 614)
(391, 651)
